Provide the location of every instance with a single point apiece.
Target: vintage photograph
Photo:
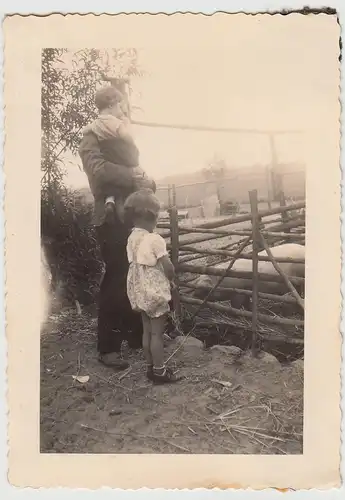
(174, 250)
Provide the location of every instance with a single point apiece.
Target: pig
(288, 250)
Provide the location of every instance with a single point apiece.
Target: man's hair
(141, 204)
(107, 97)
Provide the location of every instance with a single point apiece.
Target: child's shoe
(164, 376)
(149, 373)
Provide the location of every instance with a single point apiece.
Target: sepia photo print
(188, 203)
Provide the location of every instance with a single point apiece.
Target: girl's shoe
(149, 373)
(167, 377)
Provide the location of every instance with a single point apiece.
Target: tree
(69, 81)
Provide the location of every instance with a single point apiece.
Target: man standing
(116, 320)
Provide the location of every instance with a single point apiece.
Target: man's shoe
(113, 360)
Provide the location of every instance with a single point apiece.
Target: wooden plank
(169, 196)
(266, 336)
(284, 215)
(226, 221)
(291, 223)
(269, 187)
(227, 253)
(175, 254)
(224, 233)
(231, 263)
(253, 199)
(202, 128)
(216, 271)
(285, 278)
(200, 239)
(267, 296)
(273, 320)
(199, 230)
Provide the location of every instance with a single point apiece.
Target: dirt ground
(227, 403)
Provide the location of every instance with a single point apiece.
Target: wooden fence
(289, 226)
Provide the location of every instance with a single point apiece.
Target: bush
(69, 80)
(70, 245)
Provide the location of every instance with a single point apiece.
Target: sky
(268, 77)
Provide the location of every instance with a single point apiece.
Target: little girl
(150, 276)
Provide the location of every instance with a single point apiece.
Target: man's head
(110, 100)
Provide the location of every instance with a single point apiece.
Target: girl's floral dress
(148, 288)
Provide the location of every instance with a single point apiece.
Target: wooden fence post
(269, 186)
(253, 198)
(286, 280)
(169, 197)
(282, 203)
(173, 193)
(173, 214)
(273, 166)
(221, 278)
(174, 227)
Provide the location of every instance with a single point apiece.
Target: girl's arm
(168, 267)
(159, 249)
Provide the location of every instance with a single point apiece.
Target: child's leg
(157, 344)
(160, 374)
(110, 199)
(109, 193)
(147, 338)
(120, 208)
(114, 203)
(109, 204)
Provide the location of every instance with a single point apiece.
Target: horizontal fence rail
(227, 253)
(226, 221)
(245, 314)
(241, 291)
(216, 271)
(202, 128)
(278, 287)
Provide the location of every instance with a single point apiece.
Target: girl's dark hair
(142, 204)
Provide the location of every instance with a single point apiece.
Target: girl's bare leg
(160, 374)
(157, 345)
(147, 338)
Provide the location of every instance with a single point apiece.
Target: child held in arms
(112, 128)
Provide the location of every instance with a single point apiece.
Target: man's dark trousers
(116, 320)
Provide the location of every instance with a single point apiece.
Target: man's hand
(144, 182)
(139, 173)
